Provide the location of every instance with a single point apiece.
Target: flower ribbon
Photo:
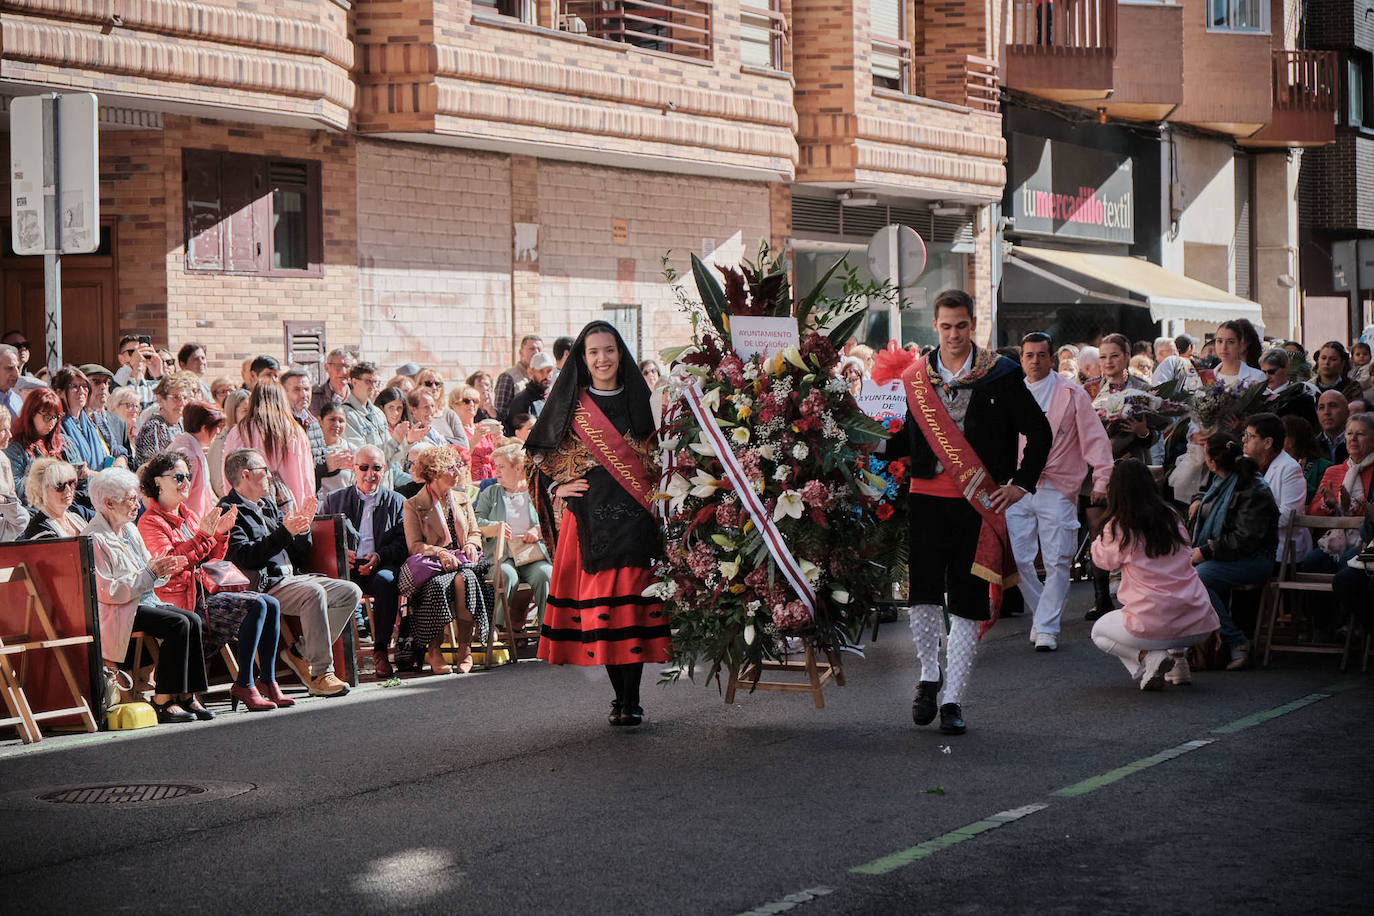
(749, 498)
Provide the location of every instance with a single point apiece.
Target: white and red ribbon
(749, 498)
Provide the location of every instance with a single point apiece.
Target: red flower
(884, 512)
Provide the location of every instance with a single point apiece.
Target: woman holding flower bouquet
(592, 449)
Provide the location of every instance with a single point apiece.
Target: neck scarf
(1353, 482)
(1218, 497)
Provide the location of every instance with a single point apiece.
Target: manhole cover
(120, 795)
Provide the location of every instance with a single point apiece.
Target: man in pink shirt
(1047, 520)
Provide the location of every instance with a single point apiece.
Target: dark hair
(1267, 426)
(520, 420)
(66, 377)
(1223, 447)
(1340, 349)
(289, 374)
(127, 338)
(155, 467)
(365, 367)
(393, 394)
(201, 415)
(1144, 347)
(1011, 353)
(1360, 345)
(1137, 512)
(1303, 436)
(1036, 337)
(1249, 338)
(954, 299)
(330, 406)
(561, 346)
(187, 349)
(263, 363)
(1183, 343)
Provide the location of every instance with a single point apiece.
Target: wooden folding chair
(27, 642)
(1276, 612)
(515, 611)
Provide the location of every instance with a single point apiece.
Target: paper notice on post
(750, 334)
(881, 401)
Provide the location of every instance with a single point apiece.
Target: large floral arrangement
(1215, 405)
(803, 446)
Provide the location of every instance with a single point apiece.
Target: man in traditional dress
(966, 409)
(1047, 520)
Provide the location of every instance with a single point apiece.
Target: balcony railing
(762, 31)
(893, 65)
(681, 27)
(959, 79)
(1305, 81)
(1084, 26)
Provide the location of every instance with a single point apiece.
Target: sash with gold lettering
(993, 559)
(611, 451)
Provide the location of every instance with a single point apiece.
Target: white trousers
(1111, 636)
(1046, 522)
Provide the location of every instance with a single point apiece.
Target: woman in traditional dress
(592, 449)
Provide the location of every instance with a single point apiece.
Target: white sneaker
(1034, 635)
(1157, 665)
(1046, 642)
(1180, 675)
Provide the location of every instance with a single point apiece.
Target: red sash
(993, 560)
(611, 451)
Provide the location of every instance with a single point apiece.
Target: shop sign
(1071, 192)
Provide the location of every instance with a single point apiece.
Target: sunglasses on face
(369, 467)
(50, 417)
(129, 352)
(20, 345)
(1270, 371)
(432, 383)
(179, 477)
(65, 485)
(471, 401)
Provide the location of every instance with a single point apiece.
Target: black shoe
(171, 711)
(632, 715)
(923, 706)
(617, 716)
(1096, 613)
(951, 719)
(196, 708)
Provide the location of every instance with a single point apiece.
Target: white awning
(1169, 296)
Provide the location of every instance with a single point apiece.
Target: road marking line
(1230, 728)
(788, 902)
(958, 835)
(1093, 783)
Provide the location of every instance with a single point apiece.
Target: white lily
(728, 570)
(740, 434)
(839, 596)
(703, 448)
(790, 503)
(749, 634)
(670, 445)
(766, 451)
(793, 356)
(703, 484)
(677, 491)
(810, 571)
(711, 400)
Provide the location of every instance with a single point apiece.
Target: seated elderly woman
(50, 490)
(124, 404)
(171, 527)
(445, 577)
(508, 505)
(126, 578)
(1345, 490)
(1235, 534)
(14, 517)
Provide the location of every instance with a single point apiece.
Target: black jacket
(1251, 526)
(388, 525)
(1002, 409)
(524, 402)
(260, 545)
(1294, 401)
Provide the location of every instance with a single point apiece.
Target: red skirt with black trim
(600, 618)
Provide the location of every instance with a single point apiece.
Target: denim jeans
(1220, 576)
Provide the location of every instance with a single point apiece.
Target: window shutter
(756, 35)
(305, 346)
(242, 182)
(885, 21)
(201, 204)
(1242, 236)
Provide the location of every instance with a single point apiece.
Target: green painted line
(958, 835)
(1230, 728)
(1093, 783)
(1347, 684)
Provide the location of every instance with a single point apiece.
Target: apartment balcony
(284, 62)
(670, 85)
(1124, 59)
(1227, 85)
(1305, 90)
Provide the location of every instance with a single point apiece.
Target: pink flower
(731, 370)
(702, 561)
(792, 616)
(728, 515)
(813, 404)
(816, 494)
(749, 461)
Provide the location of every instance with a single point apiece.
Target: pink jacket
(296, 469)
(1162, 597)
(1080, 442)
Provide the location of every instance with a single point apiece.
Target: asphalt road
(506, 792)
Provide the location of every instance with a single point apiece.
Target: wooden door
(88, 313)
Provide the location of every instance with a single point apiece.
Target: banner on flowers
(881, 400)
(750, 334)
(749, 499)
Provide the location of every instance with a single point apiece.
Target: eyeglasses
(470, 401)
(20, 345)
(369, 467)
(179, 478)
(50, 417)
(78, 387)
(65, 485)
(434, 383)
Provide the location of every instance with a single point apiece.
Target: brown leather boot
(381, 664)
(463, 650)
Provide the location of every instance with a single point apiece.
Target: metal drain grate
(120, 795)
